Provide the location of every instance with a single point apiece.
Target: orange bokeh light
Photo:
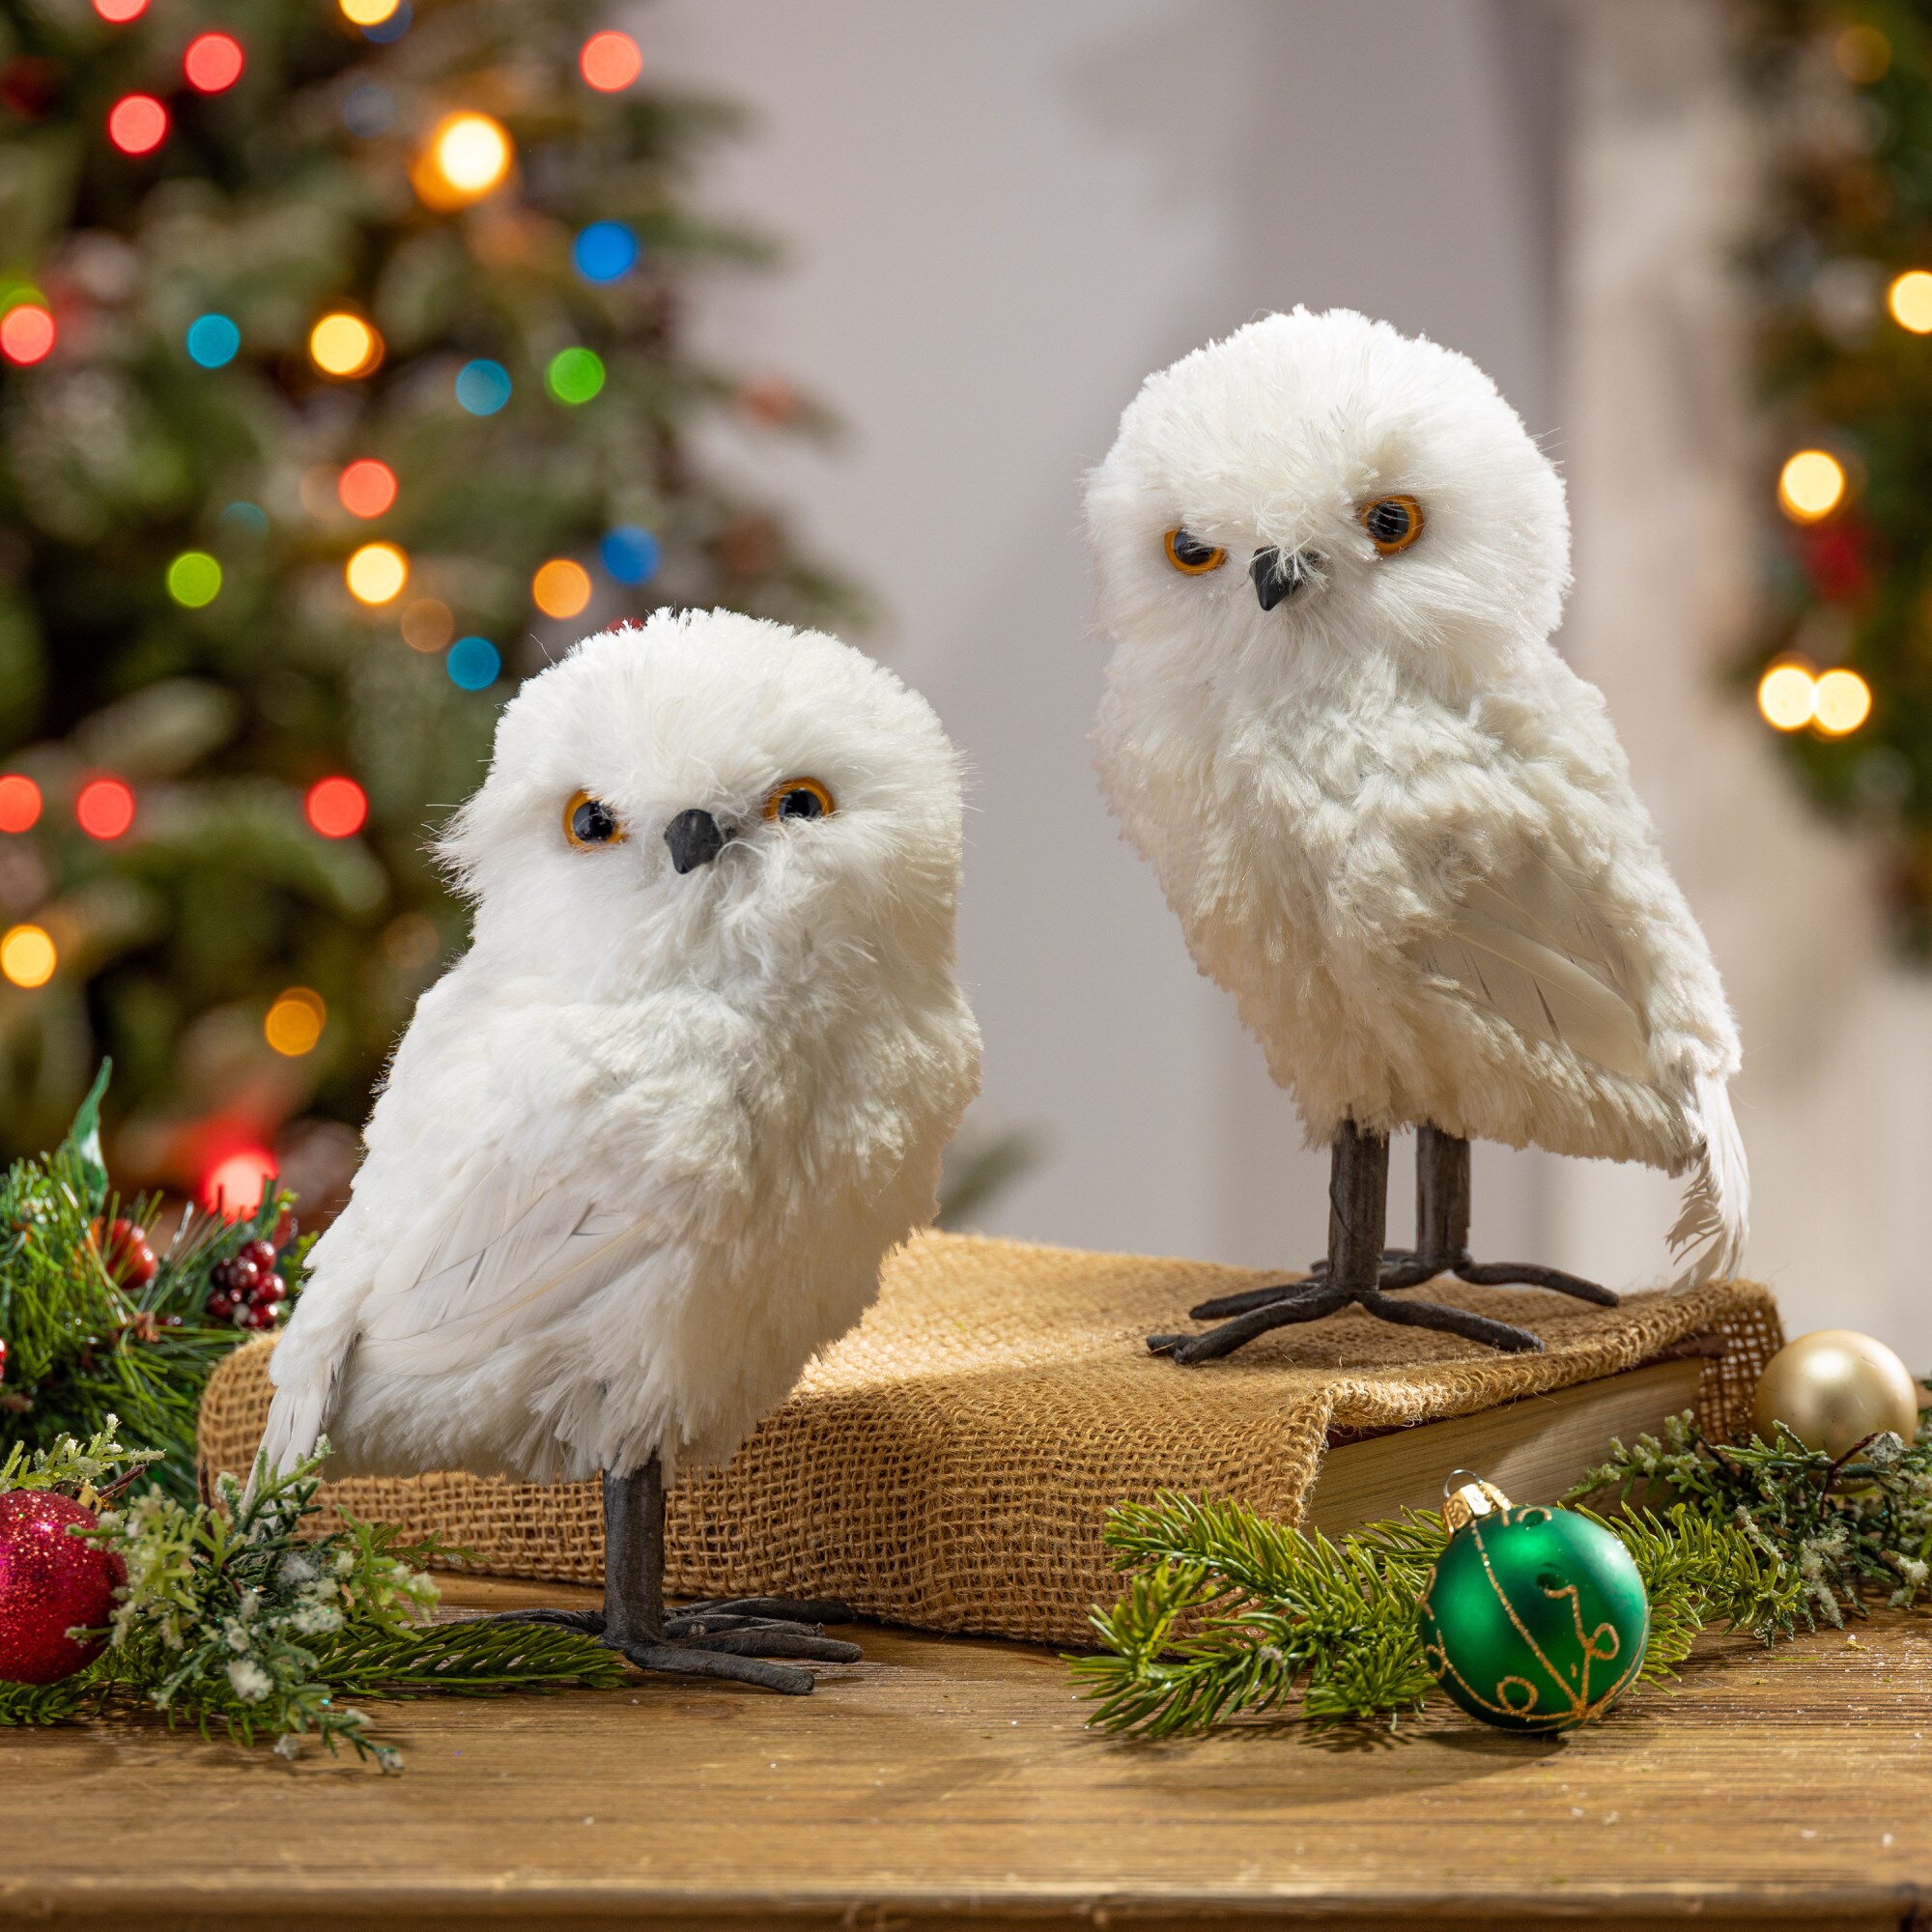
(213, 62)
(367, 488)
(560, 588)
(118, 12)
(20, 803)
(233, 1186)
(337, 807)
(27, 334)
(611, 61)
(104, 808)
(137, 123)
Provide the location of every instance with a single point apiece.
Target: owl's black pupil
(1191, 549)
(593, 822)
(1389, 522)
(801, 803)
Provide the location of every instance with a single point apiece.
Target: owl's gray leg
(735, 1640)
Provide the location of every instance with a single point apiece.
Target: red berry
(3, 1357)
(261, 1253)
(242, 1276)
(220, 1305)
(269, 1291)
(260, 1317)
(125, 1253)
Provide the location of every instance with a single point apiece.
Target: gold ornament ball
(1835, 1387)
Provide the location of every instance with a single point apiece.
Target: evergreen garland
(83, 1340)
(233, 1622)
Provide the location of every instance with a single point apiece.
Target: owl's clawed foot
(1403, 1268)
(684, 1660)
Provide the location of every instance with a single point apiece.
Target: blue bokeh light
(391, 29)
(604, 251)
(369, 111)
(249, 517)
(482, 388)
(472, 663)
(631, 554)
(213, 340)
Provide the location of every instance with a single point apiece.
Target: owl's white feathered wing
(1540, 951)
(493, 1257)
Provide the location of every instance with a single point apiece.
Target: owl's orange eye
(1191, 556)
(1393, 523)
(798, 798)
(589, 822)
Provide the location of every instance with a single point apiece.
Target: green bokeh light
(194, 578)
(575, 375)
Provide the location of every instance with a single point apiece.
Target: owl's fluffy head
(752, 803)
(1273, 448)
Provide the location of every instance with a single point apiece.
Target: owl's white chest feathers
(1312, 842)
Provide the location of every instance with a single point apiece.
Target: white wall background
(1000, 218)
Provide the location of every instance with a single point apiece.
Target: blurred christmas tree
(1842, 268)
(339, 379)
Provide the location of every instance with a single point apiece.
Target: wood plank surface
(944, 1778)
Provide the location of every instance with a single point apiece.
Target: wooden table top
(947, 1777)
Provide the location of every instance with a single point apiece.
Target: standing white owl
(1390, 818)
(644, 1148)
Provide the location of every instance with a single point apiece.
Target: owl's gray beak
(695, 839)
(1279, 574)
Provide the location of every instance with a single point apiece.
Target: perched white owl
(644, 1146)
(1390, 818)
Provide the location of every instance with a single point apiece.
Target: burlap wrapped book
(949, 1463)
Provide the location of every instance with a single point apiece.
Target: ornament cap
(1465, 1501)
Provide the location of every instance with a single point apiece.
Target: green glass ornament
(1533, 1619)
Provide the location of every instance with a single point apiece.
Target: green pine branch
(1227, 1613)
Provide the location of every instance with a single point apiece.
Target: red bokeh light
(20, 803)
(611, 61)
(26, 333)
(337, 807)
(137, 123)
(213, 62)
(367, 488)
(233, 1186)
(105, 808)
(118, 12)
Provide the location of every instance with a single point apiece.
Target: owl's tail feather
(297, 1416)
(1709, 1237)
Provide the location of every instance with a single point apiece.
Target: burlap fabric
(949, 1463)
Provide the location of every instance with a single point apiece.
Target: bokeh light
(104, 808)
(214, 340)
(367, 488)
(574, 374)
(294, 1023)
(1787, 694)
(20, 803)
(468, 157)
(1843, 702)
(428, 624)
(1810, 486)
(369, 111)
(631, 554)
(337, 807)
(391, 29)
(137, 123)
(250, 519)
(27, 334)
(1863, 54)
(560, 588)
(611, 61)
(213, 62)
(342, 344)
(472, 663)
(118, 12)
(367, 13)
(604, 251)
(482, 387)
(233, 1186)
(375, 572)
(1909, 300)
(194, 578)
(28, 956)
